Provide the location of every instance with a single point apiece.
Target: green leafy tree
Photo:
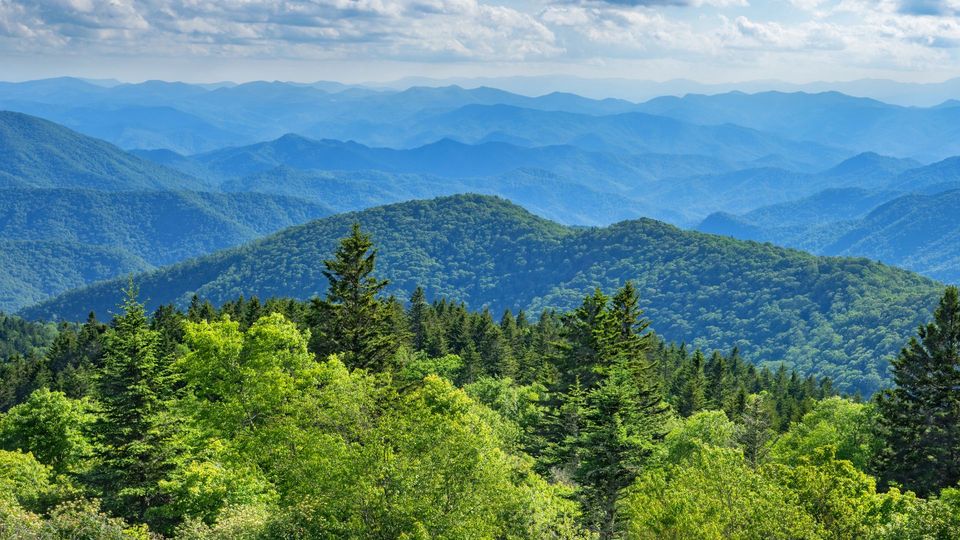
(52, 427)
(920, 416)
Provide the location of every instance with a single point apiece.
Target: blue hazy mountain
(829, 118)
(635, 133)
(542, 192)
(916, 231)
(741, 191)
(445, 157)
(38, 153)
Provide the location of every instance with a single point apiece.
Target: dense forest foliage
(841, 318)
(60, 239)
(356, 415)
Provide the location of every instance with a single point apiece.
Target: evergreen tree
(692, 396)
(920, 416)
(353, 320)
(717, 382)
(419, 311)
(754, 431)
(624, 414)
(134, 452)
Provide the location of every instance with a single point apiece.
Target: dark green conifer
(920, 416)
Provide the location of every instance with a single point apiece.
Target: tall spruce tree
(624, 413)
(920, 416)
(133, 432)
(353, 320)
(419, 311)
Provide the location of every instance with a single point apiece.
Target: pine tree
(353, 320)
(920, 416)
(134, 451)
(718, 380)
(624, 414)
(754, 430)
(693, 390)
(419, 311)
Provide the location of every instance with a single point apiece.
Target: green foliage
(839, 423)
(50, 426)
(713, 494)
(23, 480)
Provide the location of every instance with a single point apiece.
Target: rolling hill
(915, 231)
(58, 239)
(38, 153)
(838, 317)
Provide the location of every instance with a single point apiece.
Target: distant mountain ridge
(916, 231)
(38, 153)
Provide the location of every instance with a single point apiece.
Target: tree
(754, 432)
(624, 414)
(50, 426)
(920, 416)
(353, 320)
(419, 310)
(692, 396)
(134, 452)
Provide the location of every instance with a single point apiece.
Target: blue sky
(369, 40)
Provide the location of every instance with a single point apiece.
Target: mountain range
(916, 231)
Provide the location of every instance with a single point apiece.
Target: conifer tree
(920, 416)
(624, 413)
(693, 390)
(134, 451)
(353, 320)
(419, 311)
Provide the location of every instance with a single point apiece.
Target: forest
(358, 414)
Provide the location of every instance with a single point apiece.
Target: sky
(712, 41)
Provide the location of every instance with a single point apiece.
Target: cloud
(406, 29)
(664, 3)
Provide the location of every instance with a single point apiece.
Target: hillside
(31, 271)
(132, 231)
(828, 316)
(38, 153)
(785, 191)
(916, 231)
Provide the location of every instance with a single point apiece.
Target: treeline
(361, 416)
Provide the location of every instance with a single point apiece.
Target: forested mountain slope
(31, 271)
(829, 316)
(916, 231)
(58, 239)
(38, 153)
